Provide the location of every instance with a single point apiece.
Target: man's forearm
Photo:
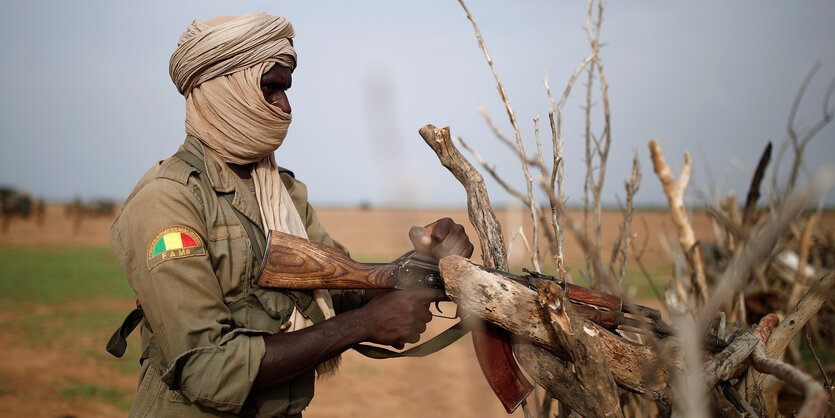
(290, 354)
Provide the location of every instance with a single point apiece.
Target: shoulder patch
(172, 243)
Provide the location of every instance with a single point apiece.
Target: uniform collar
(222, 178)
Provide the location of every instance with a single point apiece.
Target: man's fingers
(424, 316)
(440, 229)
(423, 296)
(468, 250)
(421, 239)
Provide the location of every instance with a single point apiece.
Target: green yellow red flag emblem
(172, 243)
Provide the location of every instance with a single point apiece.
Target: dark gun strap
(432, 345)
(119, 340)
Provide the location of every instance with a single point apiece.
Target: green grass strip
(57, 275)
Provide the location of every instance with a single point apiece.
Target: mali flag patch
(172, 243)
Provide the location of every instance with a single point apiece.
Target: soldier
(213, 342)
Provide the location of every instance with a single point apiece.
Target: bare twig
(490, 170)
(503, 139)
(601, 145)
(799, 141)
(624, 240)
(558, 178)
(754, 189)
(827, 384)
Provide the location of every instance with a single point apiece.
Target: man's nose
(281, 101)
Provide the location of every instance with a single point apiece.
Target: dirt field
(46, 373)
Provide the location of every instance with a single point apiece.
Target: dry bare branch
(814, 404)
(805, 309)
(827, 384)
(675, 195)
(478, 202)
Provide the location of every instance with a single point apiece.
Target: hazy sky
(88, 106)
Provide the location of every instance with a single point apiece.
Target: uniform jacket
(189, 261)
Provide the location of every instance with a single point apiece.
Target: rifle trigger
(438, 307)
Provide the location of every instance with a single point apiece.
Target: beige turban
(218, 66)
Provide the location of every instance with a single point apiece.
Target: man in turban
(191, 234)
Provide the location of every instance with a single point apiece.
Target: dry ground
(35, 374)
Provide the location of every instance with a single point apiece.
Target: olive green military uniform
(188, 257)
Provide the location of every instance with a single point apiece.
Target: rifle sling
(118, 341)
(436, 343)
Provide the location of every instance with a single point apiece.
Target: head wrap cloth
(218, 66)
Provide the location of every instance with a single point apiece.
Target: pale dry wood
(674, 189)
(513, 307)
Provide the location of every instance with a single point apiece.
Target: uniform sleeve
(206, 356)
(343, 300)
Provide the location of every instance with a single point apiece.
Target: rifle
(292, 262)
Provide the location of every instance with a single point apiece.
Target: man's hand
(400, 316)
(439, 239)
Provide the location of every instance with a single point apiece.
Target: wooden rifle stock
(293, 262)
